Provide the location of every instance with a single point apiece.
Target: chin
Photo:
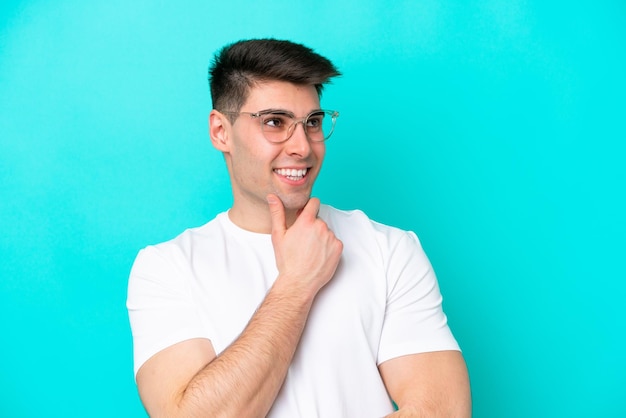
(292, 202)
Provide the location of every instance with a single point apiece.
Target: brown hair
(236, 67)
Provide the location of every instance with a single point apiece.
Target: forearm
(245, 379)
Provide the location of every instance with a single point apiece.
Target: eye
(275, 121)
(315, 120)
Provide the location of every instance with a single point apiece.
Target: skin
(189, 380)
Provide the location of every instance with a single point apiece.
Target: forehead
(282, 95)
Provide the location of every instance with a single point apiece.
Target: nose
(298, 142)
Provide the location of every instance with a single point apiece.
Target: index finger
(312, 208)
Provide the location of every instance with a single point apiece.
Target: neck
(258, 221)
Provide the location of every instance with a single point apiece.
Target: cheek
(250, 164)
(246, 166)
(319, 149)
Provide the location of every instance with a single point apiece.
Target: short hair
(238, 66)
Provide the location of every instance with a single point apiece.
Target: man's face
(258, 167)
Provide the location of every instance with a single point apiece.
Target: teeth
(291, 173)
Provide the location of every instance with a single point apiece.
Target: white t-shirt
(383, 302)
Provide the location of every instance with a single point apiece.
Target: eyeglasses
(278, 125)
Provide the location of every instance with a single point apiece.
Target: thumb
(277, 213)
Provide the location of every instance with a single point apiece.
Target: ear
(219, 128)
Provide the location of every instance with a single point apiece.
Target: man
(281, 306)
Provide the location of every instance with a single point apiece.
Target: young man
(284, 307)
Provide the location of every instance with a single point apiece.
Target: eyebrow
(279, 111)
(285, 112)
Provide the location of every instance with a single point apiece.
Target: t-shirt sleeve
(160, 305)
(414, 319)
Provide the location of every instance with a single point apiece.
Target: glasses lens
(276, 126)
(320, 125)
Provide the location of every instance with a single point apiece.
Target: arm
(432, 384)
(188, 379)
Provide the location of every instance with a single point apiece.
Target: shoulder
(175, 253)
(349, 219)
(356, 224)
(365, 239)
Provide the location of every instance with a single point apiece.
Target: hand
(308, 252)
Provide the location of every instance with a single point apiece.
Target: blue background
(494, 129)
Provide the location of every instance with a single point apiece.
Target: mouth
(292, 174)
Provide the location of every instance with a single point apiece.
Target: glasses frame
(292, 128)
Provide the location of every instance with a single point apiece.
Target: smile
(292, 173)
